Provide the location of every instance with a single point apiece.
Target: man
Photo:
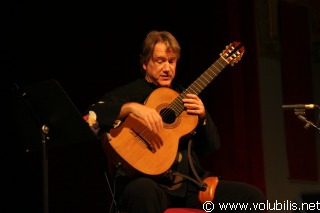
(178, 186)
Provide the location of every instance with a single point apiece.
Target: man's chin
(165, 83)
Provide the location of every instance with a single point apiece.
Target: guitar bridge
(143, 140)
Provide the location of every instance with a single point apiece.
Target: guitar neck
(199, 84)
(206, 78)
(232, 54)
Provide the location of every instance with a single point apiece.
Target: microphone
(300, 106)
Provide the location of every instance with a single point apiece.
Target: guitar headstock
(233, 52)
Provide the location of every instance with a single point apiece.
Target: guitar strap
(173, 179)
(207, 186)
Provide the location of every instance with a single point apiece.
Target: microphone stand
(308, 123)
(45, 139)
(44, 148)
(300, 113)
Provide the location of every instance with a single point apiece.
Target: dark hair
(155, 37)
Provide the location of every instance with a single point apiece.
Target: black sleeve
(108, 107)
(106, 110)
(206, 139)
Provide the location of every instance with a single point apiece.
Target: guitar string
(177, 104)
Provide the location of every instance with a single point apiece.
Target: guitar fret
(177, 105)
(222, 65)
(198, 91)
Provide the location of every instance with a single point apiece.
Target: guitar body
(137, 149)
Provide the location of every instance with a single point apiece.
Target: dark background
(92, 47)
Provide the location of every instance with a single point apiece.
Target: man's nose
(166, 66)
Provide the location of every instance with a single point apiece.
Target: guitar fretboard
(199, 84)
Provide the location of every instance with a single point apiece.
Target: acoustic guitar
(133, 147)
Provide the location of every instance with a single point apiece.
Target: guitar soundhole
(168, 115)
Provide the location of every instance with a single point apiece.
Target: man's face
(161, 68)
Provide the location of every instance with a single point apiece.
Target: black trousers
(145, 195)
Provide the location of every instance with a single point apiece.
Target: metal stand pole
(45, 138)
(308, 123)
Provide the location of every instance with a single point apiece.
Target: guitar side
(144, 151)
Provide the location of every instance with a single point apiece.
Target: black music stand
(48, 119)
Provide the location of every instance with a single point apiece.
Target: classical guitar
(133, 147)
